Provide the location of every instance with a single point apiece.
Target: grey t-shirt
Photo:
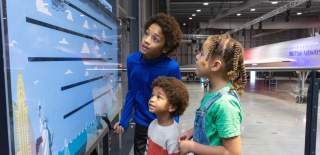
(163, 140)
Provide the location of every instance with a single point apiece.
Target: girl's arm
(232, 146)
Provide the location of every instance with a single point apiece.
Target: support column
(312, 115)
(302, 75)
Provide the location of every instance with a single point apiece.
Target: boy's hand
(185, 146)
(186, 135)
(118, 128)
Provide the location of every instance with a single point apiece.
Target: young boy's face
(153, 41)
(158, 102)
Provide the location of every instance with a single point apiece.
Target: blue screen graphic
(63, 69)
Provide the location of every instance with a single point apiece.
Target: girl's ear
(215, 65)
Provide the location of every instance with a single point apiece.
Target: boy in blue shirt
(162, 35)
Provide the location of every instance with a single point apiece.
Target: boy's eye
(157, 96)
(155, 39)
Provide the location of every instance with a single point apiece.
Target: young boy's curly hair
(170, 29)
(175, 91)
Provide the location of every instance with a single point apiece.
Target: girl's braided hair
(230, 52)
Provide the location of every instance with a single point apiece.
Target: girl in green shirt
(217, 124)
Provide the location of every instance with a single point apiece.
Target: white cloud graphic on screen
(12, 43)
(85, 48)
(63, 49)
(35, 82)
(69, 15)
(64, 41)
(86, 25)
(42, 7)
(68, 72)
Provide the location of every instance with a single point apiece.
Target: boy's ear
(172, 108)
(215, 65)
(165, 50)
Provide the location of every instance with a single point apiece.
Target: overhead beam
(295, 23)
(188, 36)
(267, 33)
(272, 13)
(200, 3)
(245, 5)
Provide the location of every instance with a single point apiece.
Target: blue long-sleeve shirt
(141, 72)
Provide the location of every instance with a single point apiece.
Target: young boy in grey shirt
(169, 98)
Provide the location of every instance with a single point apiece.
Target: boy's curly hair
(170, 28)
(175, 91)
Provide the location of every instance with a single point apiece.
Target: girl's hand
(185, 146)
(187, 135)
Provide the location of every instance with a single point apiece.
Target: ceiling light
(299, 13)
(199, 10)
(193, 14)
(252, 9)
(274, 2)
(238, 14)
(206, 3)
(184, 24)
(190, 18)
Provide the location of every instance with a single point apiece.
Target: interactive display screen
(63, 69)
(301, 53)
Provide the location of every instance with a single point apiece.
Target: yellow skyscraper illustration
(22, 124)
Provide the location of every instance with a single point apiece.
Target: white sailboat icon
(85, 48)
(86, 25)
(42, 7)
